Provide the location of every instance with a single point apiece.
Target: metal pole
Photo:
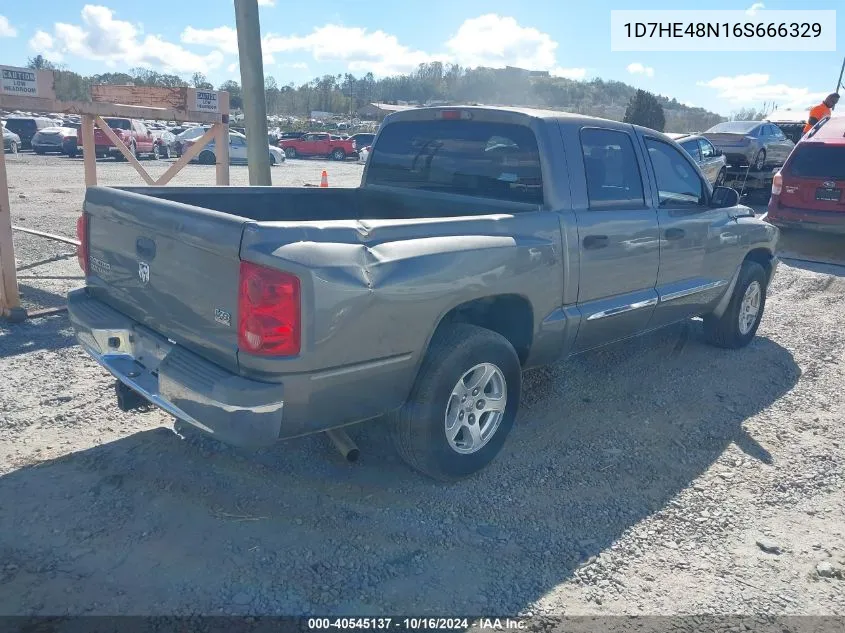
(252, 89)
(841, 72)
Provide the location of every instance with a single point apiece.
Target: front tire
(720, 178)
(738, 324)
(760, 160)
(207, 158)
(462, 406)
(338, 154)
(156, 152)
(13, 147)
(290, 152)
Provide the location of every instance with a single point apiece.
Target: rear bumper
(234, 409)
(790, 217)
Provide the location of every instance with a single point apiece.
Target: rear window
(734, 127)
(119, 124)
(487, 160)
(814, 160)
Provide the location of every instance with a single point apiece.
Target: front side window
(613, 175)
(707, 149)
(678, 183)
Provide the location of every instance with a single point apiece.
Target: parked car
(711, 161)
(318, 144)
(363, 139)
(237, 152)
(166, 144)
(52, 140)
(807, 191)
(132, 132)
(756, 143)
(11, 141)
(363, 155)
(26, 127)
(270, 313)
(189, 134)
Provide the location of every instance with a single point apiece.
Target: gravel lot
(659, 476)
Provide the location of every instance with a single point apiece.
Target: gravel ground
(659, 476)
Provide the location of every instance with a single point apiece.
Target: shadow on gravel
(32, 297)
(814, 251)
(43, 333)
(157, 524)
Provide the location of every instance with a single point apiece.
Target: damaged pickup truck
(481, 241)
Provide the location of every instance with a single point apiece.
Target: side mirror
(718, 152)
(724, 197)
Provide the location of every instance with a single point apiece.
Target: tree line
(434, 81)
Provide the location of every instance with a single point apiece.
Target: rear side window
(814, 160)
(473, 158)
(691, 148)
(21, 126)
(613, 175)
(119, 124)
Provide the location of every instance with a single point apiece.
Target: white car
(363, 154)
(237, 151)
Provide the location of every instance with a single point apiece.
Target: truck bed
(286, 204)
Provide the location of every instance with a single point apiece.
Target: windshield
(488, 160)
(734, 127)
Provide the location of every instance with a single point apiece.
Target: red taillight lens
(82, 236)
(777, 184)
(269, 313)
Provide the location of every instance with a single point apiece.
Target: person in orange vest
(817, 113)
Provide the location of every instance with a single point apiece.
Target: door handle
(674, 234)
(595, 241)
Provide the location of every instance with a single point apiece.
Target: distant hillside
(430, 82)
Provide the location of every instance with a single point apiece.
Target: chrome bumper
(234, 409)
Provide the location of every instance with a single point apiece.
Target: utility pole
(252, 88)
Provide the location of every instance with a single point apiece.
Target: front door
(618, 241)
(237, 149)
(711, 163)
(689, 230)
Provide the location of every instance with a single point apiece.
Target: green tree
(236, 101)
(644, 109)
(200, 82)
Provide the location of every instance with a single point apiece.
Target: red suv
(807, 192)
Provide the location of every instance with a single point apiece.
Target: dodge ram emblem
(144, 272)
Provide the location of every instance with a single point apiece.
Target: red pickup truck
(134, 135)
(319, 144)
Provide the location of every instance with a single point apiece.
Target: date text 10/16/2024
(417, 624)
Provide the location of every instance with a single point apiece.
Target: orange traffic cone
(324, 180)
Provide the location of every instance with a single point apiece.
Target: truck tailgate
(172, 267)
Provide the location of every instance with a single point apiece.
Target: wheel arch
(510, 315)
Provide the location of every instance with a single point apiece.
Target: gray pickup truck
(481, 241)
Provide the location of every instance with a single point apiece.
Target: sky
(302, 40)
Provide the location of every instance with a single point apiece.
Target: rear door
(814, 177)
(690, 230)
(172, 267)
(618, 241)
(237, 149)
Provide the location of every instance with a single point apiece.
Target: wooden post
(9, 297)
(89, 150)
(221, 152)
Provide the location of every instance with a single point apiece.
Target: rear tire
(13, 147)
(738, 324)
(156, 152)
(419, 429)
(338, 154)
(207, 158)
(720, 178)
(290, 152)
(760, 160)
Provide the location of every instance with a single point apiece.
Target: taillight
(777, 184)
(82, 236)
(354, 145)
(269, 314)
